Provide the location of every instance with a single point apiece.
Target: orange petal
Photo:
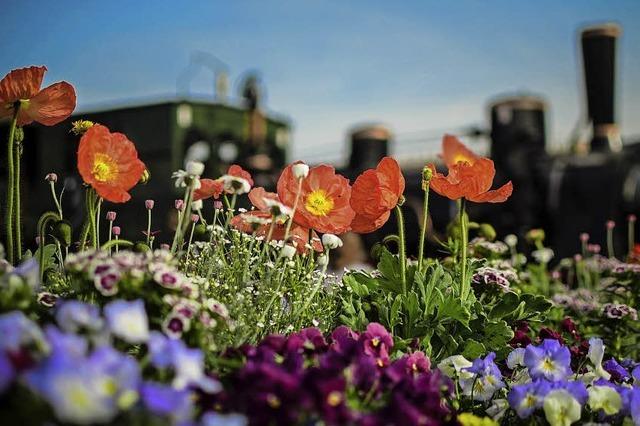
(454, 151)
(257, 196)
(443, 186)
(499, 195)
(50, 106)
(208, 188)
(22, 83)
(365, 224)
(237, 171)
(366, 195)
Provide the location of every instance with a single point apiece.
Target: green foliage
(433, 312)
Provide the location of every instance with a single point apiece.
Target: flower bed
(236, 320)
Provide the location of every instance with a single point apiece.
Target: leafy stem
(11, 183)
(463, 250)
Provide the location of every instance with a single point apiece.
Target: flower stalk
(11, 184)
(427, 174)
(402, 255)
(463, 249)
(295, 206)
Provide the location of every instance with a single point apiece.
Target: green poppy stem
(295, 206)
(425, 220)
(463, 250)
(11, 184)
(402, 255)
(18, 209)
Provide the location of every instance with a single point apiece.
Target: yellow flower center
(461, 158)
(548, 365)
(273, 401)
(104, 168)
(318, 203)
(334, 398)
(375, 342)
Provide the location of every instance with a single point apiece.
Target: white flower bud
(323, 260)
(300, 170)
(196, 205)
(195, 168)
(511, 240)
(331, 241)
(288, 251)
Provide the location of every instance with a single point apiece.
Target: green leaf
(390, 269)
(473, 349)
(496, 335)
(451, 308)
(508, 303)
(49, 256)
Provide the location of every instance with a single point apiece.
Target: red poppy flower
(48, 106)
(237, 171)
(470, 176)
(324, 200)
(109, 163)
(299, 234)
(374, 194)
(208, 188)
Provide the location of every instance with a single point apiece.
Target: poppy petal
(499, 195)
(454, 151)
(208, 188)
(365, 224)
(257, 196)
(22, 83)
(50, 106)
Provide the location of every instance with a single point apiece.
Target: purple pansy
(550, 360)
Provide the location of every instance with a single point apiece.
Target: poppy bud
(149, 204)
(331, 241)
(111, 216)
(80, 127)
(179, 205)
(116, 230)
(485, 230)
(200, 232)
(535, 235)
(195, 218)
(61, 231)
(611, 224)
(511, 240)
(288, 251)
(146, 176)
(140, 247)
(376, 251)
(217, 205)
(584, 237)
(195, 168)
(427, 174)
(196, 205)
(51, 177)
(300, 170)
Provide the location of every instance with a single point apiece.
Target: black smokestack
(369, 144)
(599, 59)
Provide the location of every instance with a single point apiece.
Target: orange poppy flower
(374, 194)
(109, 163)
(237, 171)
(48, 106)
(470, 176)
(299, 234)
(324, 199)
(208, 188)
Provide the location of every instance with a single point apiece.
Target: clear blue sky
(414, 65)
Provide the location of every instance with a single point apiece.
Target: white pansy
(595, 355)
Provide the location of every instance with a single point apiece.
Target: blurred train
(566, 194)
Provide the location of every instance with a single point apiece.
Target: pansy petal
(22, 83)
(50, 106)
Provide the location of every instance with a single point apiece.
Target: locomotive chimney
(369, 144)
(599, 59)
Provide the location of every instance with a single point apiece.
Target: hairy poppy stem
(295, 206)
(426, 178)
(402, 255)
(463, 250)
(11, 183)
(18, 209)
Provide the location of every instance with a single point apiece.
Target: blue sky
(414, 65)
